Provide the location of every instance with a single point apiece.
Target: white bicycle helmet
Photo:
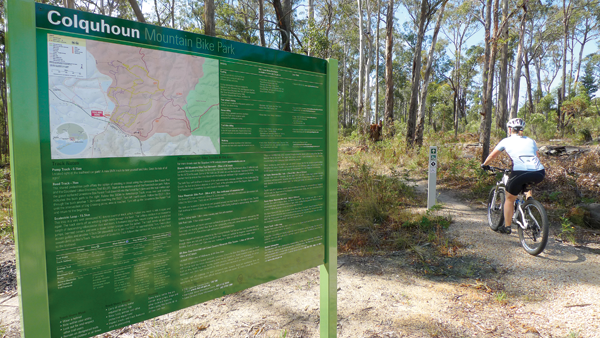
(516, 123)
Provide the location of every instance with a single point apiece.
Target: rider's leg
(528, 194)
(509, 208)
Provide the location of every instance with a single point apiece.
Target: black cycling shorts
(518, 179)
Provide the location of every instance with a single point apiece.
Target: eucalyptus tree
(502, 109)
(567, 13)
(587, 28)
(343, 36)
(361, 56)
(514, 106)
(138, 12)
(389, 80)
(283, 12)
(471, 96)
(485, 128)
(368, 64)
(424, 14)
(209, 17)
(461, 25)
(541, 35)
(421, 110)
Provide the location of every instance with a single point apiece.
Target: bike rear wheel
(535, 235)
(495, 209)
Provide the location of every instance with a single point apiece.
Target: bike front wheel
(535, 235)
(495, 208)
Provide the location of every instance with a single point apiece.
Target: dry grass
(376, 214)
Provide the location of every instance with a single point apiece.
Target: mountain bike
(530, 216)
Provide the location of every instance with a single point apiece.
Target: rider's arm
(492, 156)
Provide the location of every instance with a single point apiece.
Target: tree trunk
(367, 82)
(280, 13)
(287, 10)
(514, 107)
(563, 86)
(457, 93)
(136, 9)
(209, 17)
(502, 84)
(528, 81)
(422, 100)
(377, 63)
(172, 14)
(416, 77)
(583, 41)
(389, 81)
(538, 74)
(311, 20)
(484, 75)
(487, 103)
(361, 60)
(261, 22)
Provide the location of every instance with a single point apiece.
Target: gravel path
(490, 288)
(556, 294)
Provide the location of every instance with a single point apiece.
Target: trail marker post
(432, 176)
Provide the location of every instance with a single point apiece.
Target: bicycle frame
(520, 220)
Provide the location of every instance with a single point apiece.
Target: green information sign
(166, 169)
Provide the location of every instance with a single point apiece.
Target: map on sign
(111, 100)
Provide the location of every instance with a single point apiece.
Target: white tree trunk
(361, 57)
(514, 106)
(369, 63)
(389, 81)
(422, 101)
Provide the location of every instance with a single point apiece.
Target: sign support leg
(328, 324)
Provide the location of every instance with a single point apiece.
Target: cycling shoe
(504, 230)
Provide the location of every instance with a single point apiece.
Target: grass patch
(376, 214)
(501, 297)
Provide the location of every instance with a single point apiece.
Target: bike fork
(494, 199)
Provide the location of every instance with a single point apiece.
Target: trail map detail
(111, 100)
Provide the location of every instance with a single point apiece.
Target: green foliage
(315, 40)
(589, 80)
(576, 105)
(547, 104)
(542, 127)
(567, 230)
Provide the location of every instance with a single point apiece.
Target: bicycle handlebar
(495, 169)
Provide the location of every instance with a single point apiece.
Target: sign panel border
(26, 161)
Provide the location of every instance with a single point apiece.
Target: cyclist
(527, 168)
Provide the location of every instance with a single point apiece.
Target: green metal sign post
(154, 169)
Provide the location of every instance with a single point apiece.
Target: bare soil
(488, 286)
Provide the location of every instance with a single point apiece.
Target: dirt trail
(489, 288)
